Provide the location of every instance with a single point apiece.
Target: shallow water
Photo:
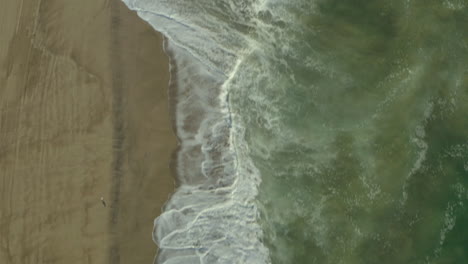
(317, 131)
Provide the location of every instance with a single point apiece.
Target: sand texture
(83, 114)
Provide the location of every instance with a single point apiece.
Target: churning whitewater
(212, 217)
(316, 131)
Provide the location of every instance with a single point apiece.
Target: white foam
(212, 217)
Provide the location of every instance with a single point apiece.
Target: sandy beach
(83, 115)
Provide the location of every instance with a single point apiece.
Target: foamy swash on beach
(212, 217)
(318, 131)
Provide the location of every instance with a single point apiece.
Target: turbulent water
(316, 131)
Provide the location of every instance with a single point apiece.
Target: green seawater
(356, 116)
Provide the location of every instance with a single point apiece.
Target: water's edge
(212, 216)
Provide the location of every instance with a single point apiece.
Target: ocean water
(316, 131)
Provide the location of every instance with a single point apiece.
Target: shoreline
(172, 90)
(84, 113)
(207, 163)
(164, 139)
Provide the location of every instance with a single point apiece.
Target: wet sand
(83, 114)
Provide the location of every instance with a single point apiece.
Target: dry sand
(83, 114)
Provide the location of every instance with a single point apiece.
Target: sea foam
(212, 216)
